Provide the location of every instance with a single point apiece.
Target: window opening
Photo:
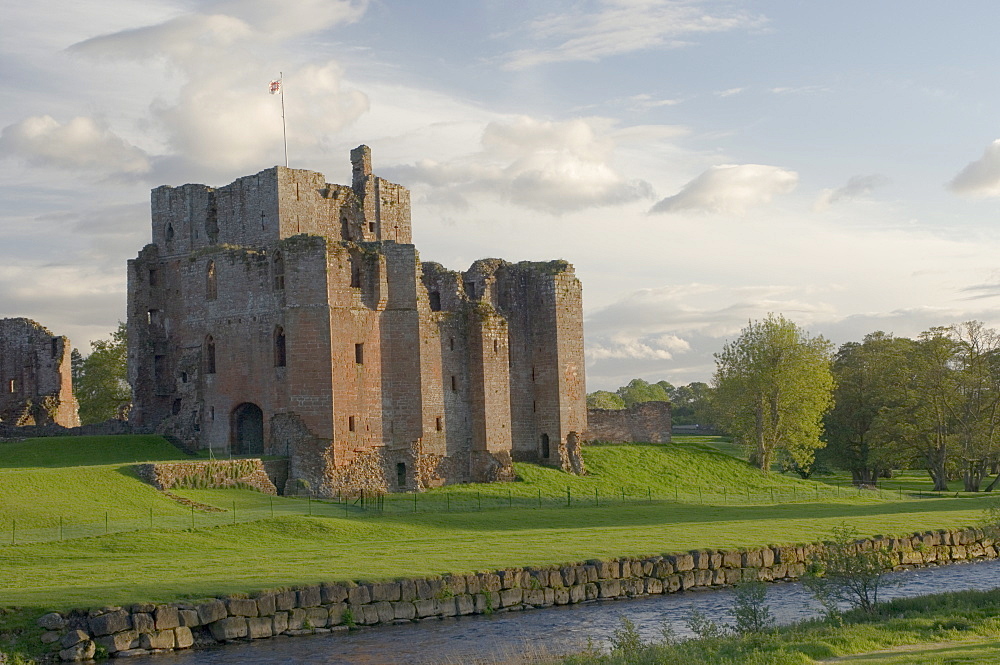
(211, 286)
(371, 227)
(152, 277)
(438, 425)
(355, 273)
(435, 298)
(209, 355)
(545, 445)
(359, 354)
(470, 290)
(279, 272)
(401, 475)
(176, 408)
(454, 383)
(170, 232)
(279, 347)
(350, 423)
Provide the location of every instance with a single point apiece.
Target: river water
(560, 629)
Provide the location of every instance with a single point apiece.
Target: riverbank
(308, 610)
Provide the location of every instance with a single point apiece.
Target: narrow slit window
(454, 383)
(371, 227)
(359, 354)
(438, 425)
(279, 347)
(451, 343)
(351, 424)
(496, 346)
(545, 446)
(279, 272)
(209, 355)
(152, 277)
(211, 285)
(355, 274)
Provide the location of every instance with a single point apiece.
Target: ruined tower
(284, 315)
(36, 383)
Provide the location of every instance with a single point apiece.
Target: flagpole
(284, 134)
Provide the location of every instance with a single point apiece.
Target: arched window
(279, 347)
(209, 355)
(545, 446)
(279, 271)
(170, 232)
(211, 286)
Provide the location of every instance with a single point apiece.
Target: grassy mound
(79, 479)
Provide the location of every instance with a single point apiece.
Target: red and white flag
(275, 87)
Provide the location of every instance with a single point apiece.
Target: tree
(773, 385)
(848, 570)
(604, 399)
(871, 380)
(102, 389)
(638, 391)
(691, 404)
(976, 405)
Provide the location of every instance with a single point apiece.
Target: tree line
(868, 407)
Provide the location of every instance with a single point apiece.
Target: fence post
(192, 517)
(13, 530)
(414, 501)
(60, 527)
(623, 495)
(539, 498)
(150, 517)
(234, 512)
(649, 493)
(510, 499)
(272, 505)
(597, 500)
(568, 498)
(772, 495)
(479, 498)
(448, 498)
(107, 521)
(310, 501)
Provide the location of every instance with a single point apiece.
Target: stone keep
(284, 315)
(36, 382)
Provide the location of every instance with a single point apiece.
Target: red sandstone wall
(648, 422)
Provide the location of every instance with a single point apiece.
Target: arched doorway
(247, 430)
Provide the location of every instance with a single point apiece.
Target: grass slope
(79, 480)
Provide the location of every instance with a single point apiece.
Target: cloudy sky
(701, 163)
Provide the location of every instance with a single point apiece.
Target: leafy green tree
(638, 391)
(871, 379)
(691, 404)
(773, 385)
(846, 571)
(102, 389)
(604, 399)
(976, 405)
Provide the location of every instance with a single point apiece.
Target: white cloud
(80, 144)
(623, 346)
(858, 186)
(613, 27)
(981, 177)
(730, 92)
(731, 188)
(553, 167)
(220, 122)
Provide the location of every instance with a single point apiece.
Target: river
(560, 629)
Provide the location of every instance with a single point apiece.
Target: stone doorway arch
(247, 430)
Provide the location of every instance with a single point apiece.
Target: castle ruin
(284, 315)
(36, 379)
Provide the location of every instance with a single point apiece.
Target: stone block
(446, 607)
(568, 575)
(734, 575)
(183, 637)
(266, 605)
(454, 584)
(473, 584)
(732, 559)
(230, 628)
(663, 569)
(779, 571)
(284, 600)
(509, 597)
(110, 622)
(590, 591)
(333, 593)
(464, 605)
(359, 595)
(158, 639)
(751, 559)
(296, 618)
(369, 615)
(260, 627)
(718, 576)
(84, 650)
(577, 593)
(279, 622)
(73, 637)
(308, 596)
(123, 641)
(654, 585)
(703, 577)
(166, 617)
(51, 636)
(702, 559)
(188, 618)
(317, 617)
(403, 610)
(766, 557)
(489, 582)
(52, 621)
(131, 653)
(673, 583)
(212, 611)
(384, 610)
(687, 580)
(385, 592)
(407, 590)
(533, 597)
(143, 622)
(425, 608)
(561, 596)
(683, 562)
(241, 607)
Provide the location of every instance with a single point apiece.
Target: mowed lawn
(170, 564)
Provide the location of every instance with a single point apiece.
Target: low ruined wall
(323, 608)
(210, 474)
(647, 422)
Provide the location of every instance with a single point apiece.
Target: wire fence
(367, 505)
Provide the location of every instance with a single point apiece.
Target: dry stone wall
(324, 608)
(219, 474)
(647, 422)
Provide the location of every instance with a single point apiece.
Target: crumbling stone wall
(285, 315)
(36, 381)
(338, 606)
(646, 422)
(209, 474)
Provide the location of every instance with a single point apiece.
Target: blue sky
(701, 163)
